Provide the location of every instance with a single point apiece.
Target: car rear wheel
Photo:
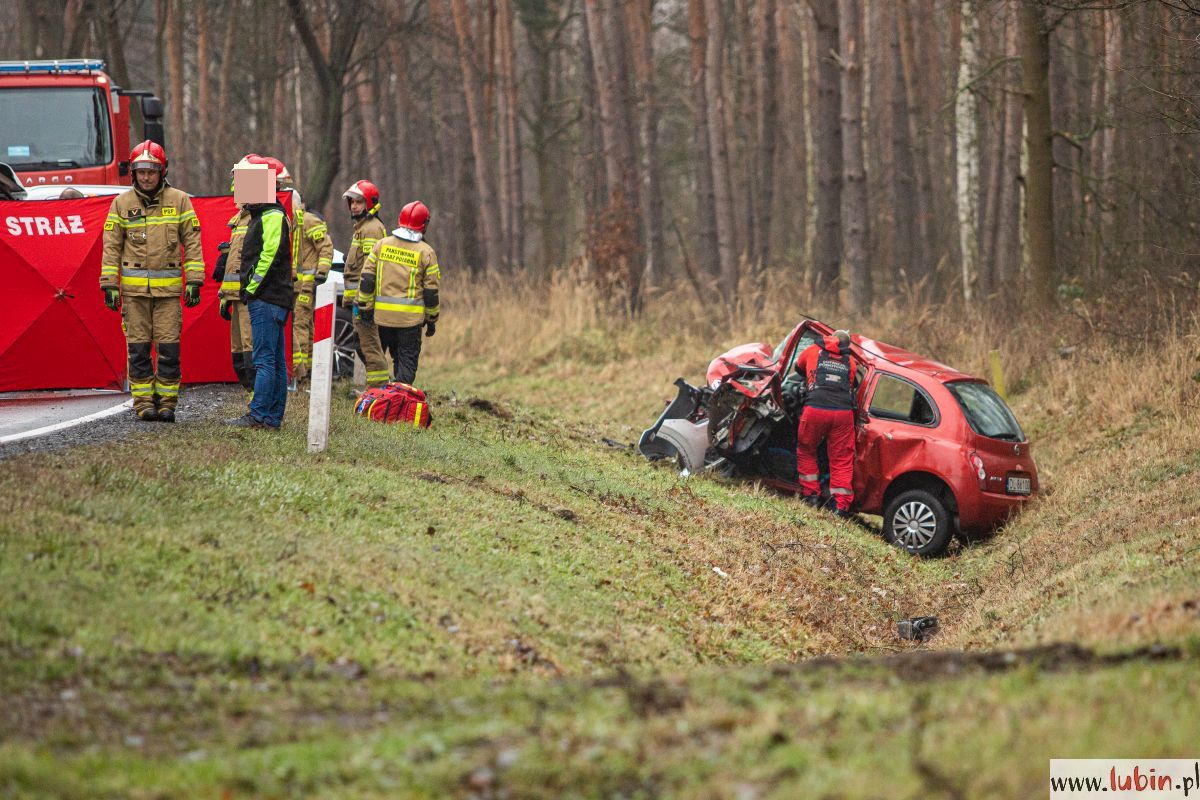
(919, 522)
(345, 343)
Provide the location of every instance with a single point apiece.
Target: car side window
(896, 399)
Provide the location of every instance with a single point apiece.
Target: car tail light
(977, 463)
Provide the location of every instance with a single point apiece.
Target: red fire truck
(65, 122)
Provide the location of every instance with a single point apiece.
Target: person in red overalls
(829, 371)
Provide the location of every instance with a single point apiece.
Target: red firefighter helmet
(148, 155)
(281, 172)
(414, 218)
(366, 191)
(249, 158)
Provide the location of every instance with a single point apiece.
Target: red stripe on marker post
(322, 369)
(323, 323)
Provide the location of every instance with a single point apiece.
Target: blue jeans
(271, 380)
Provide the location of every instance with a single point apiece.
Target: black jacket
(266, 272)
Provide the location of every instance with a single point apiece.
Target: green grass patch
(507, 604)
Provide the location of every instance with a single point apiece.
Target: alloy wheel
(914, 524)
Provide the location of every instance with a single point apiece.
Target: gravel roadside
(196, 404)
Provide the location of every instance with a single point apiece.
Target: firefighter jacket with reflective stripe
(367, 232)
(151, 243)
(829, 374)
(266, 271)
(312, 253)
(231, 286)
(400, 281)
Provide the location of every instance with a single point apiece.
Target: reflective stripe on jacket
(404, 289)
(367, 232)
(231, 286)
(313, 250)
(151, 244)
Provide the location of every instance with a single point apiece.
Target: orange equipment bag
(396, 402)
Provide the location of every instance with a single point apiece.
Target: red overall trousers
(836, 428)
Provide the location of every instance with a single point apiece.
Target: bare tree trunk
(639, 16)
(855, 222)
(616, 130)
(604, 95)
(766, 69)
(967, 150)
(331, 63)
(78, 15)
(991, 149)
(506, 74)
(1113, 64)
(456, 164)
(1039, 179)
(791, 170)
(493, 252)
(204, 96)
(369, 112)
(114, 44)
(714, 85)
(177, 132)
(224, 141)
(705, 224)
(595, 186)
(1009, 219)
(544, 30)
(879, 23)
(496, 66)
(923, 205)
(904, 184)
(827, 141)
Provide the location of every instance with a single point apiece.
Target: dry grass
(1104, 388)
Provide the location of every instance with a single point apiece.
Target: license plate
(1017, 486)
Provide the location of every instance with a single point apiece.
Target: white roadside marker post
(322, 369)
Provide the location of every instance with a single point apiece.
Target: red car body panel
(888, 451)
(756, 355)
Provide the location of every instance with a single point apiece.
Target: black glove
(430, 328)
(218, 273)
(112, 299)
(366, 314)
(226, 310)
(191, 295)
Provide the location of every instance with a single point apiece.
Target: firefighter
(143, 276)
(362, 198)
(232, 309)
(399, 289)
(830, 373)
(312, 255)
(265, 276)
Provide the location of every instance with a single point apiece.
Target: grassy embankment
(505, 604)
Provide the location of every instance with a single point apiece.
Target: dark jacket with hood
(266, 270)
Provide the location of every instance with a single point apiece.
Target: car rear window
(895, 398)
(986, 413)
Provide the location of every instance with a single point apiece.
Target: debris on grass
(489, 407)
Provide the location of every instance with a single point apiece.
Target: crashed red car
(938, 452)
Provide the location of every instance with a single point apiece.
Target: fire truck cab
(65, 122)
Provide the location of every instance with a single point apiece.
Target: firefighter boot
(141, 381)
(166, 384)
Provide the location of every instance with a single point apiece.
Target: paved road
(28, 413)
(33, 410)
